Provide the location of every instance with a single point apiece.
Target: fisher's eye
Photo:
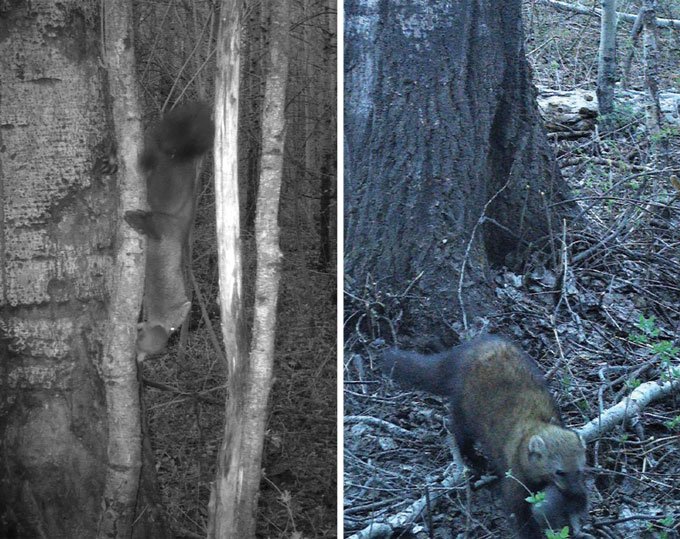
(560, 473)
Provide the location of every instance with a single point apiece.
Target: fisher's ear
(537, 448)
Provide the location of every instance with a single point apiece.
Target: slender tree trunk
(267, 233)
(226, 491)
(606, 60)
(448, 169)
(635, 33)
(119, 370)
(234, 498)
(653, 109)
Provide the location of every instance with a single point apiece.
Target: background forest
(598, 308)
(184, 388)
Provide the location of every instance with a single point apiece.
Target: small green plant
(673, 424)
(566, 381)
(667, 522)
(537, 498)
(633, 383)
(661, 527)
(562, 534)
(633, 185)
(582, 405)
(664, 350)
(665, 134)
(623, 115)
(667, 352)
(648, 329)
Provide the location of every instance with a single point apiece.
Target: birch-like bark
(651, 59)
(606, 60)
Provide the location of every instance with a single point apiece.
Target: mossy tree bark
(441, 129)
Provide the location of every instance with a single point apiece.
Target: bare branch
(629, 408)
(583, 10)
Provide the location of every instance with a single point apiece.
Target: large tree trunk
(71, 275)
(57, 256)
(441, 129)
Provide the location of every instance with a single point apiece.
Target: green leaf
(537, 498)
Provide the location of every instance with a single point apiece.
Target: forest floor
(607, 322)
(186, 417)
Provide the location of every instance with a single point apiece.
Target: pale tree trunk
(69, 428)
(606, 60)
(233, 501)
(131, 495)
(119, 368)
(224, 505)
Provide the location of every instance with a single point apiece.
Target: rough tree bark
(318, 86)
(441, 129)
(606, 59)
(71, 273)
(233, 502)
(327, 169)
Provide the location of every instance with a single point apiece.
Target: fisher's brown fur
(500, 403)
